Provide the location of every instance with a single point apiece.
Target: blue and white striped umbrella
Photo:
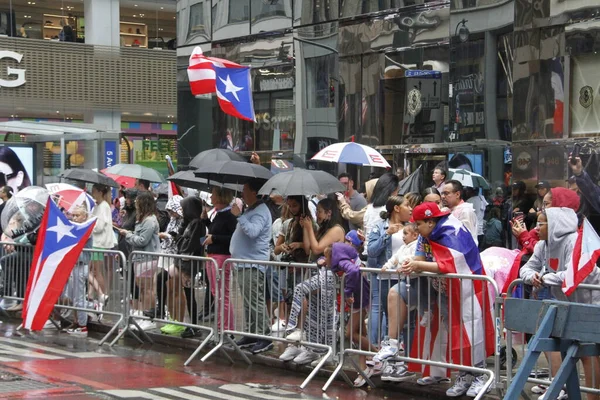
(352, 153)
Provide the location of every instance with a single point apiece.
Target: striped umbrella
(352, 153)
(468, 178)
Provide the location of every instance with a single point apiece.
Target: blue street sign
(110, 153)
(424, 74)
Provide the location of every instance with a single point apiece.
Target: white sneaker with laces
(290, 353)
(461, 386)
(539, 389)
(306, 356)
(477, 385)
(389, 348)
(147, 325)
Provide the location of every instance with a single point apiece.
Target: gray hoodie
(556, 254)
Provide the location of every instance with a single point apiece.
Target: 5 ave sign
(18, 72)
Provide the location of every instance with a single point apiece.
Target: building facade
(420, 80)
(109, 65)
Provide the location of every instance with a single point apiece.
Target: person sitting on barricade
(471, 331)
(320, 326)
(343, 260)
(551, 257)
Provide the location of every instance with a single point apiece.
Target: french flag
(471, 325)
(585, 256)
(59, 244)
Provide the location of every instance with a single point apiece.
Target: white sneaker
(329, 361)
(306, 356)
(389, 348)
(147, 325)
(278, 326)
(561, 396)
(461, 386)
(539, 389)
(296, 336)
(425, 319)
(290, 353)
(80, 331)
(477, 385)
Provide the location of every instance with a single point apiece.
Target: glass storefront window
(198, 25)
(321, 81)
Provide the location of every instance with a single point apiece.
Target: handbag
(145, 269)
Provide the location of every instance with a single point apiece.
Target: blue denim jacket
(379, 245)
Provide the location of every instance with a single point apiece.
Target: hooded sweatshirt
(556, 254)
(345, 260)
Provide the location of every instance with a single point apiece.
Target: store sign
(20, 73)
(276, 84)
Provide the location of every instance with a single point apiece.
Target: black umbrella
(302, 182)
(88, 175)
(411, 183)
(233, 172)
(189, 180)
(214, 155)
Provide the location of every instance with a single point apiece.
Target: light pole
(463, 32)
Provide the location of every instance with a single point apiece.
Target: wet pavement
(51, 364)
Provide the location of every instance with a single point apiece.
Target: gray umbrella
(88, 175)
(302, 182)
(233, 172)
(189, 180)
(136, 171)
(214, 155)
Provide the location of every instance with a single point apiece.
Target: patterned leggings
(320, 323)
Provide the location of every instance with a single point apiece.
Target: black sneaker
(246, 342)
(151, 313)
(191, 332)
(262, 346)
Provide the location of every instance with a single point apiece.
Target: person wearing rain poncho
(547, 266)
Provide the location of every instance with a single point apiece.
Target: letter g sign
(20, 73)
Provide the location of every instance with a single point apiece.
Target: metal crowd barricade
(15, 264)
(161, 288)
(95, 289)
(254, 290)
(539, 373)
(422, 293)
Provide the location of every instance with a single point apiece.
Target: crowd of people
(397, 234)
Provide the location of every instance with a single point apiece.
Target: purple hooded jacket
(344, 259)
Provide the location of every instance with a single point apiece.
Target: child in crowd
(397, 307)
(343, 259)
(454, 251)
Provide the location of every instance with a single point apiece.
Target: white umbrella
(352, 153)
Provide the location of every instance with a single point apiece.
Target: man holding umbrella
(250, 241)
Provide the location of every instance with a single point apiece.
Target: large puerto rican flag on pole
(585, 256)
(58, 247)
(230, 81)
(471, 325)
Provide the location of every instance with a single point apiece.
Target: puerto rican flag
(173, 188)
(471, 325)
(585, 256)
(58, 247)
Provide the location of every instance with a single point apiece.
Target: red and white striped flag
(201, 72)
(585, 256)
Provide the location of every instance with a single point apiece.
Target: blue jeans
(378, 318)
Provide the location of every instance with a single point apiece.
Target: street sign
(423, 74)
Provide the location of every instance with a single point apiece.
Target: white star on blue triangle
(60, 232)
(234, 88)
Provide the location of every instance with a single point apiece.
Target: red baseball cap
(426, 211)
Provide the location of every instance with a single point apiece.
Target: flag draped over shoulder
(230, 81)
(471, 325)
(58, 247)
(585, 256)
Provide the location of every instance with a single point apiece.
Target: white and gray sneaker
(306, 356)
(389, 348)
(290, 353)
(397, 373)
(477, 385)
(561, 396)
(461, 385)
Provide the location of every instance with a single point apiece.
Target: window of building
(321, 81)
